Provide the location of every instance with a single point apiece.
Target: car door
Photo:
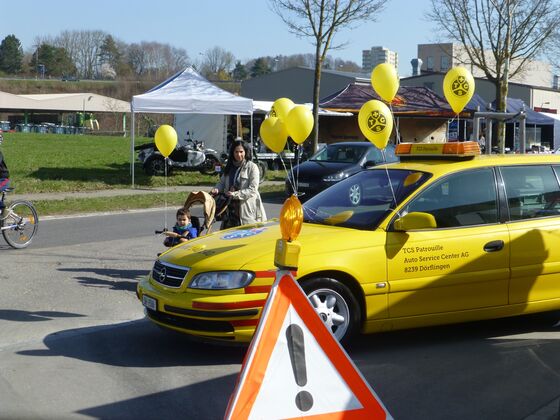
(461, 264)
(533, 196)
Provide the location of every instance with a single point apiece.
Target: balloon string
(398, 136)
(165, 194)
(389, 177)
(294, 180)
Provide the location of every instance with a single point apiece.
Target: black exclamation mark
(296, 348)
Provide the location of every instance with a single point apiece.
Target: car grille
(190, 323)
(168, 274)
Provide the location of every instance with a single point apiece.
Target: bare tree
(321, 20)
(500, 37)
(84, 48)
(217, 63)
(155, 60)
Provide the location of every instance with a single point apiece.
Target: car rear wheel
(336, 305)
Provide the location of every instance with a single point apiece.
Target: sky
(246, 28)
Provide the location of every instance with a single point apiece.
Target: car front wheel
(336, 305)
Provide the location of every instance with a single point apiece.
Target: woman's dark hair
(231, 159)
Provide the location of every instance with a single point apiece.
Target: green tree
(260, 67)
(11, 55)
(321, 21)
(109, 53)
(55, 59)
(239, 72)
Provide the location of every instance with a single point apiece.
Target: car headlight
(221, 280)
(336, 177)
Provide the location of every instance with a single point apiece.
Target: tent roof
(187, 92)
(514, 106)
(69, 102)
(410, 100)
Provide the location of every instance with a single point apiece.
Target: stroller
(215, 209)
(209, 210)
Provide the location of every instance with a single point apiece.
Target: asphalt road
(74, 342)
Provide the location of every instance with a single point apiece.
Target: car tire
(155, 166)
(336, 305)
(355, 194)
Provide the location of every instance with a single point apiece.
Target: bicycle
(18, 221)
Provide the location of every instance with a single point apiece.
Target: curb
(116, 192)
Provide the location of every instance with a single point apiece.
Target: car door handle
(493, 246)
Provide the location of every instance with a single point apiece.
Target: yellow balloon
(291, 218)
(385, 81)
(280, 108)
(376, 122)
(274, 134)
(299, 123)
(166, 139)
(458, 88)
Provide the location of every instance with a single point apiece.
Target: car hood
(315, 169)
(242, 247)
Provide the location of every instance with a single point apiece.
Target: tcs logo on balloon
(460, 86)
(376, 122)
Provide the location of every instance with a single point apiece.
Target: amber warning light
(466, 148)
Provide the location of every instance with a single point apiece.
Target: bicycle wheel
(19, 223)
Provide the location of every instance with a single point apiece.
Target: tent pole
(132, 147)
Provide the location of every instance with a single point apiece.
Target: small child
(183, 229)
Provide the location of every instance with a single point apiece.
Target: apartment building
(378, 55)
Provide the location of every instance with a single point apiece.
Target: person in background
(4, 173)
(240, 181)
(183, 229)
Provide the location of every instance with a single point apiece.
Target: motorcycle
(189, 155)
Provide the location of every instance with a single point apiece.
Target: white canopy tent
(187, 92)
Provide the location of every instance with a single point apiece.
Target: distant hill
(123, 90)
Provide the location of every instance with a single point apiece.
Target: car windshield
(363, 200)
(340, 153)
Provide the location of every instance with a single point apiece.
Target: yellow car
(444, 236)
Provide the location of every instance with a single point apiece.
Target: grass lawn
(62, 163)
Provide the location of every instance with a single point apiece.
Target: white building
(378, 55)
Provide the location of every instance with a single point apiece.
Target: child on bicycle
(183, 229)
(4, 173)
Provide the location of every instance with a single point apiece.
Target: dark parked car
(334, 163)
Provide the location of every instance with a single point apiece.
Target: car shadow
(135, 344)
(31, 316)
(119, 279)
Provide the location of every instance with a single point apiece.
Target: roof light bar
(465, 148)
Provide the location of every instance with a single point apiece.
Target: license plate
(303, 184)
(149, 302)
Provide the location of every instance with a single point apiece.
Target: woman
(240, 182)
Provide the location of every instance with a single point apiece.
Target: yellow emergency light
(287, 249)
(457, 149)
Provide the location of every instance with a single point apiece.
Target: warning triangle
(295, 368)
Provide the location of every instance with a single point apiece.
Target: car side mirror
(369, 164)
(414, 221)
